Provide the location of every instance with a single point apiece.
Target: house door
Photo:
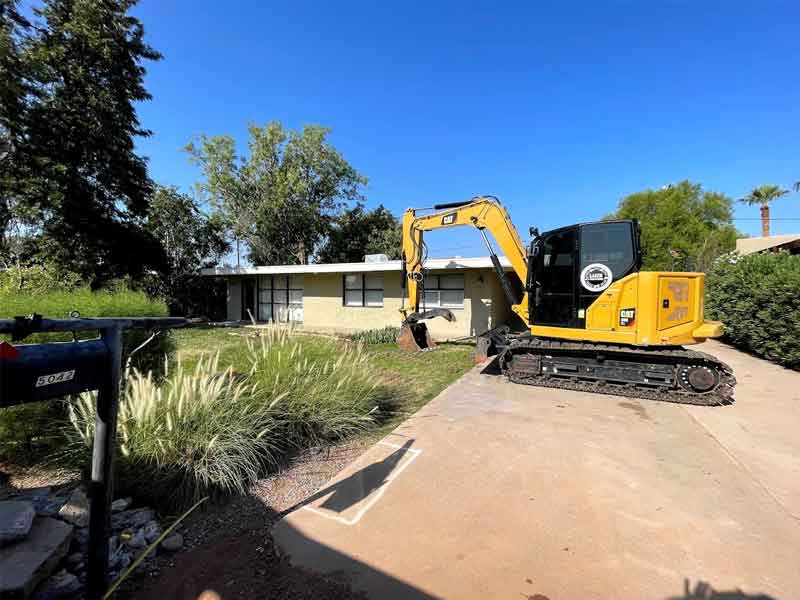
(248, 298)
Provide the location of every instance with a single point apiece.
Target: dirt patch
(245, 566)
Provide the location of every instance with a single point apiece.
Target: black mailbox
(53, 370)
(32, 372)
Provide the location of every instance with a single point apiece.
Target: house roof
(481, 262)
(759, 244)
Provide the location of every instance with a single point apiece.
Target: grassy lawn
(415, 378)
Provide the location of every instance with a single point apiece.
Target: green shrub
(198, 432)
(758, 298)
(37, 279)
(377, 336)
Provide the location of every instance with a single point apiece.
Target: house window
(363, 289)
(280, 298)
(444, 291)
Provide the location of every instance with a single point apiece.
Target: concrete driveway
(495, 490)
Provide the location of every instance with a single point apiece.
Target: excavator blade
(414, 334)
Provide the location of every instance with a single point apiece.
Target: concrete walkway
(495, 490)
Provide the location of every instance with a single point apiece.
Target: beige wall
(323, 309)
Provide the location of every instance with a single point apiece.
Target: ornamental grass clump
(318, 390)
(197, 432)
(384, 335)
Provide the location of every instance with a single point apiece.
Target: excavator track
(671, 374)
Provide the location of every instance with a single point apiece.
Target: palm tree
(763, 195)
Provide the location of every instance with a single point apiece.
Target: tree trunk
(765, 220)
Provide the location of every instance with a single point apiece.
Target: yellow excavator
(590, 318)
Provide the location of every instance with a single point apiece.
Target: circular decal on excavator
(596, 277)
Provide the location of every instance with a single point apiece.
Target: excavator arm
(483, 213)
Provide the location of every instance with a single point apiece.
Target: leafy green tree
(280, 199)
(762, 196)
(683, 226)
(357, 232)
(191, 241)
(78, 181)
(13, 91)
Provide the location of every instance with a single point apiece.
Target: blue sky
(559, 109)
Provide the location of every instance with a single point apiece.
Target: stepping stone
(16, 518)
(26, 563)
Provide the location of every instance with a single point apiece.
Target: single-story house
(772, 243)
(350, 297)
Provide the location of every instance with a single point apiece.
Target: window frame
(363, 289)
(288, 304)
(439, 289)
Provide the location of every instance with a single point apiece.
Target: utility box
(33, 372)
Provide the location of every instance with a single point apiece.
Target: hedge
(758, 298)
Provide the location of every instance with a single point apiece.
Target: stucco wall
(484, 305)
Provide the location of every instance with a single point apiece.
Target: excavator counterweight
(593, 320)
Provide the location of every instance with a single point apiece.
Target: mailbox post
(33, 372)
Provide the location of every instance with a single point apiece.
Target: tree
(281, 198)
(357, 232)
(13, 91)
(78, 181)
(762, 196)
(191, 241)
(683, 226)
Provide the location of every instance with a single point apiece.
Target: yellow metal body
(668, 306)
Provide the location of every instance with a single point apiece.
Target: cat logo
(449, 219)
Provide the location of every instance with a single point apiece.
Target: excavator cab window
(558, 259)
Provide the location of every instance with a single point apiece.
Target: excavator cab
(571, 266)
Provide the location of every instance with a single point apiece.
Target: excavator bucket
(414, 335)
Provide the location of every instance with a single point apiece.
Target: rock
(138, 541)
(132, 518)
(76, 510)
(60, 585)
(151, 531)
(119, 559)
(39, 497)
(73, 559)
(120, 504)
(113, 544)
(51, 506)
(173, 543)
(16, 518)
(26, 563)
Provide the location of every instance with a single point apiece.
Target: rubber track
(722, 394)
